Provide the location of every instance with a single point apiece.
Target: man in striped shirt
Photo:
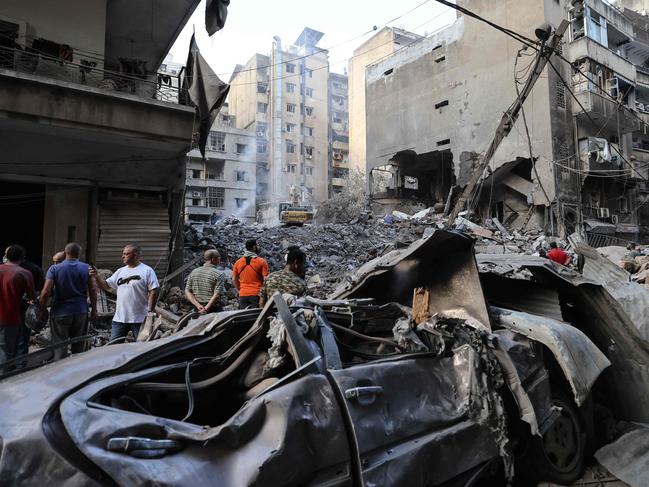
(205, 287)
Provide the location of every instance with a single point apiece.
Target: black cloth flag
(216, 11)
(206, 91)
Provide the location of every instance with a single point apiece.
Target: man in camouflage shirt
(205, 287)
(289, 280)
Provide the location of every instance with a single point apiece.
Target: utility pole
(510, 116)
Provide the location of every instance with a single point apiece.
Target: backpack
(248, 260)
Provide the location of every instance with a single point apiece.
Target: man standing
(70, 302)
(137, 290)
(205, 287)
(15, 282)
(558, 255)
(248, 274)
(287, 280)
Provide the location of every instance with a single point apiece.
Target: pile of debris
(635, 263)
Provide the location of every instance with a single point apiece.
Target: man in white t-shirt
(137, 290)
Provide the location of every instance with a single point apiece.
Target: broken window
(290, 127)
(196, 173)
(290, 68)
(308, 111)
(441, 104)
(215, 197)
(217, 141)
(443, 142)
(440, 59)
(309, 92)
(241, 176)
(308, 131)
(241, 202)
(290, 147)
(290, 107)
(308, 170)
(291, 168)
(262, 107)
(262, 87)
(241, 148)
(308, 151)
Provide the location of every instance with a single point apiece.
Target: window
(290, 68)
(196, 173)
(388, 72)
(290, 147)
(262, 146)
(308, 131)
(241, 176)
(338, 99)
(290, 88)
(440, 59)
(290, 107)
(308, 170)
(196, 202)
(292, 168)
(441, 104)
(215, 197)
(308, 111)
(217, 141)
(308, 72)
(308, 151)
(561, 95)
(290, 127)
(309, 92)
(262, 87)
(337, 119)
(443, 142)
(241, 202)
(241, 148)
(262, 107)
(261, 129)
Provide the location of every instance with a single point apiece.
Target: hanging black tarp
(216, 12)
(205, 89)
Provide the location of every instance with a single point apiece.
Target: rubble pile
(636, 266)
(333, 250)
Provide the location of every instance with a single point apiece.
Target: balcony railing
(163, 87)
(602, 109)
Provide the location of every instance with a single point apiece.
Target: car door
(415, 419)
(293, 434)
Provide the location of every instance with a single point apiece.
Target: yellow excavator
(294, 213)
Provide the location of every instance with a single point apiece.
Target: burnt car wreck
(426, 367)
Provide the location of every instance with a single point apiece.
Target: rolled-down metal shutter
(142, 223)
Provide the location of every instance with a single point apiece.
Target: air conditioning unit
(614, 219)
(261, 133)
(196, 194)
(599, 150)
(612, 86)
(603, 213)
(308, 156)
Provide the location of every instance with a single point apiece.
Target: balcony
(640, 161)
(585, 47)
(338, 182)
(602, 109)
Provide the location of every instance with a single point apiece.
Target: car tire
(559, 455)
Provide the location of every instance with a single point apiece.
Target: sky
(251, 25)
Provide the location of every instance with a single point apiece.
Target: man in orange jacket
(248, 274)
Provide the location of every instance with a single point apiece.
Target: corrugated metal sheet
(144, 223)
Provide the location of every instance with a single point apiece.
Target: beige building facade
(382, 44)
(434, 106)
(285, 97)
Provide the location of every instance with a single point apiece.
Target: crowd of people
(66, 295)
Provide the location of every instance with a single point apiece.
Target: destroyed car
(406, 376)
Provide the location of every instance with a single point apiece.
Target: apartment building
(91, 150)
(224, 184)
(433, 107)
(284, 96)
(338, 132)
(382, 44)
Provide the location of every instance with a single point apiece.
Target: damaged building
(92, 150)
(433, 105)
(224, 183)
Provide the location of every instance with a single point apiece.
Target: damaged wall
(449, 92)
